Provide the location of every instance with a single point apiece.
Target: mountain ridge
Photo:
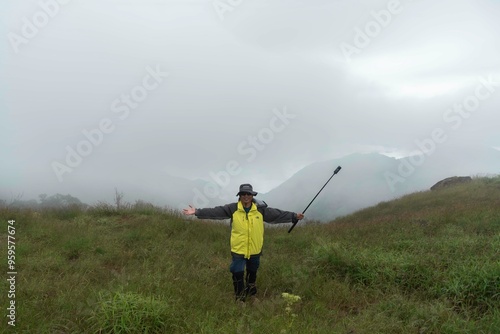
(364, 180)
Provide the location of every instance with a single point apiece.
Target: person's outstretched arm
(219, 212)
(276, 216)
(189, 211)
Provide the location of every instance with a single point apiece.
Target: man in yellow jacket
(247, 234)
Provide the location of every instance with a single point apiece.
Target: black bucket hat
(246, 188)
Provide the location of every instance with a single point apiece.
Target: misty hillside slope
(367, 179)
(423, 263)
(360, 183)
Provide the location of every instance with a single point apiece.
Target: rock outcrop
(451, 181)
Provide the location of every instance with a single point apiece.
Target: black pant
(237, 268)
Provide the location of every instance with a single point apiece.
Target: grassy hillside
(425, 263)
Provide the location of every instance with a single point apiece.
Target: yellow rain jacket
(247, 229)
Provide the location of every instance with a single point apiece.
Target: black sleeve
(219, 212)
(277, 216)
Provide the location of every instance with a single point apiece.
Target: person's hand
(300, 216)
(189, 211)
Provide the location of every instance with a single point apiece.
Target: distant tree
(118, 199)
(42, 198)
(58, 201)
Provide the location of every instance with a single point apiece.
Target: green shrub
(127, 312)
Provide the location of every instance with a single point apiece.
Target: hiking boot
(251, 289)
(239, 286)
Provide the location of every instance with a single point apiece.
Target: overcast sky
(119, 89)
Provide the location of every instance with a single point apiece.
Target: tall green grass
(425, 263)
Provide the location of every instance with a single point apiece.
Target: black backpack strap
(261, 205)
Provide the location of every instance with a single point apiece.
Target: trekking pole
(335, 172)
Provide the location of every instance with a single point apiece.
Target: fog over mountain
(368, 179)
(364, 180)
(177, 102)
